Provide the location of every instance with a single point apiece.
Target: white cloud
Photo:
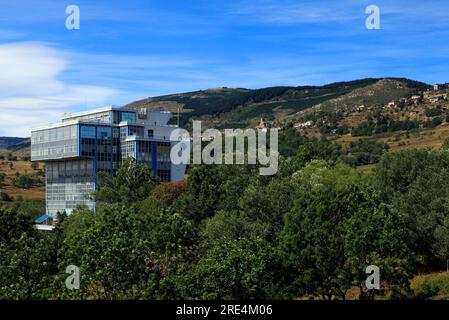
(31, 91)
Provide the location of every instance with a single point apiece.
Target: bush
(364, 152)
(289, 142)
(2, 178)
(40, 173)
(433, 123)
(344, 129)
(432, 112)
(383, 124)
(5, 197)
(25, 181)
(445, 145)
(435, 285)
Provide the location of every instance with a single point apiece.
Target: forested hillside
(308, 232)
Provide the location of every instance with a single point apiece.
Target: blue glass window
(104, 133)
(129, 116)
(87, 132)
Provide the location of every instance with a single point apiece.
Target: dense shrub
(432, 112)
(25, 181)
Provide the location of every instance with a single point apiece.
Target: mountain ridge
(241, 107)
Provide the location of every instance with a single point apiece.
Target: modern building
(83, 144)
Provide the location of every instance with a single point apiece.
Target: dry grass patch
(10, 168)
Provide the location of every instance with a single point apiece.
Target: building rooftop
(104, 109)
(72, 118)
(92, 111)
(55, 125)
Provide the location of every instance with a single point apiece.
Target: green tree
(441, 245)
(28, 258)
(2, 178)
(432, 112)
(289, 142)
(416, 183)
(211, 188)
(233, 269)
(268, 204)
(26, 268)
(337, 227)
(134, 182)
(321, 150)
(13, 223)
(445, 145)
(374, 235)
(25, 181)
(230, 225)
(125, 253)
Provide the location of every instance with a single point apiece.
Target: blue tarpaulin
(42, 218)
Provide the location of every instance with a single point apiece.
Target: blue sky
(129, 50)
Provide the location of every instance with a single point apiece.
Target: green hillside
(18, 147)
(227, 107)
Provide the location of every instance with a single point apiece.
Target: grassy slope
(21, 167)
(19, 147)
(433, 286)
(424, 139)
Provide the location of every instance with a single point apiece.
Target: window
(87, 132)
(129, 116)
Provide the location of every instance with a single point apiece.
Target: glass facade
(69, 184)
(128, 149)
(102, 143)
(144, 152)
(163, 169)
(76, 152)
(136, 131)
(54, 143)
(128, 116)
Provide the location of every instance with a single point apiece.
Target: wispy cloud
(31, 92)
(414, 14)
(40, 82)
(130, 50)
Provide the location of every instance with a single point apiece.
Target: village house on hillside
(416, 98)
(443, 86)
(304, 125)
(437, 98)
(391, 105)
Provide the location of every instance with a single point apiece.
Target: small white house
(307, 124)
